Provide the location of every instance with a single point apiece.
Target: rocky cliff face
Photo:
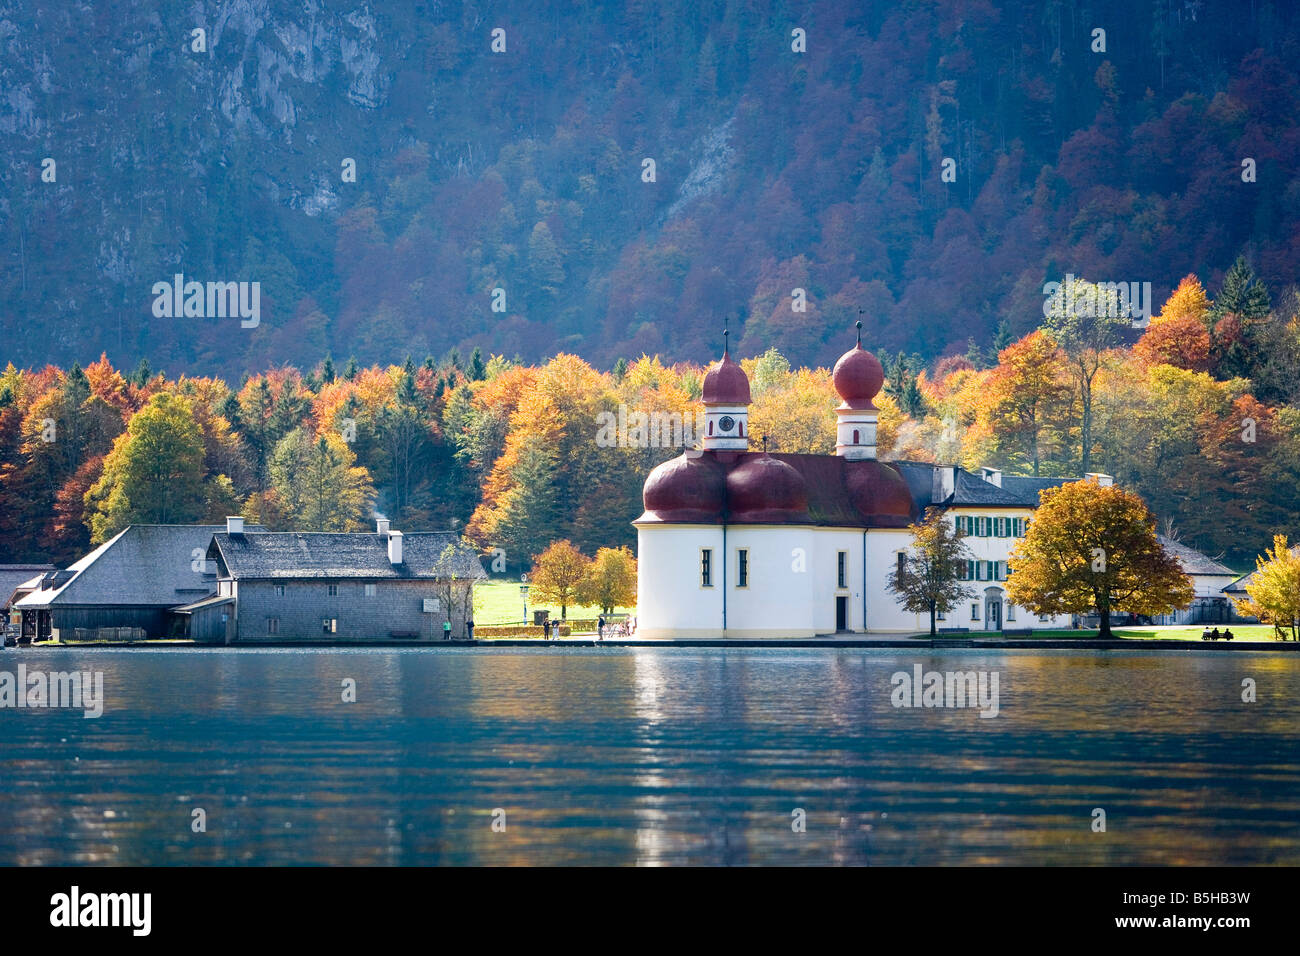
(133, 148)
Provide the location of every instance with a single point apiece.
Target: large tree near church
(1092, 546)
(929, 579)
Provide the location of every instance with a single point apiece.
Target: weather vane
(859, 323)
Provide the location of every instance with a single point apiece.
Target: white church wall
(778, 601)
(884, 613)
(670, 599)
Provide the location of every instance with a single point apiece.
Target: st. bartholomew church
(751, 544)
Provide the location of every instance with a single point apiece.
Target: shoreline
(943, 643)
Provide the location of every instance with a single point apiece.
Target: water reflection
(652, 756)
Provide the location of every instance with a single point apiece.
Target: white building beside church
(744, 544)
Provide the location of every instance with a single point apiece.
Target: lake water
(653, 756)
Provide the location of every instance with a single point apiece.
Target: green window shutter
(960, 522)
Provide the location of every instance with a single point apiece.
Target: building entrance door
(993, 614)
(841, 613)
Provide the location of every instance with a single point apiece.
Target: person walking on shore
(446, 630)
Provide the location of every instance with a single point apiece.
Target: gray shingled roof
(1193, 561)
(144, 565)
(12, 576)
(1025, 490)
(1016, 491)
(317, 554)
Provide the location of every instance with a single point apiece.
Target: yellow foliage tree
(1090, 546)
(1188, 301)
(610, 581)
(558, 573)
(1274, 593)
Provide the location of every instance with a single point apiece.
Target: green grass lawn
(1240, 632)
(1251, 633)
(499, 602)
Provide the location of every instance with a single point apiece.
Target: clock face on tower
(726, 423)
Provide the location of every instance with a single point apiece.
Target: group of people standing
(601, 624)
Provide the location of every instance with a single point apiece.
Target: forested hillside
(1199, 416)
(525, 170)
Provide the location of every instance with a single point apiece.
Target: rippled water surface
(667, 755)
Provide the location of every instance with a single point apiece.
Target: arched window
(855, 436)
(710, 428)
(741, 426)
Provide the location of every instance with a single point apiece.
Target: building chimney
(1098, 478)
(943, 482)
(382, 525)
(234, 524)
(394, 547)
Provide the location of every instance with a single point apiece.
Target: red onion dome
(688, 488)
(762, 488)
(726, 383)
(879, 493)
(858, 378)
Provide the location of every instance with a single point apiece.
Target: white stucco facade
(793, 587)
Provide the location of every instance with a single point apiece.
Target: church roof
(823, 490)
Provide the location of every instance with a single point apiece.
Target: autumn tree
(928, 580)
(1181, 342)
(558, 573)
(610, 581)
(1093, 546)
(1024, 403)
(154, 473)
(1273, 595)
(1085, 328)
(318, 485)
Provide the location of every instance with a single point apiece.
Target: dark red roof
(858, 378)
(725, 383)
(687, 489)
(756, 488)
(762, 488)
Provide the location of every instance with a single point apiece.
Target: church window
(842, 569)
(742, 568)
(855, 436)
(706, 567)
